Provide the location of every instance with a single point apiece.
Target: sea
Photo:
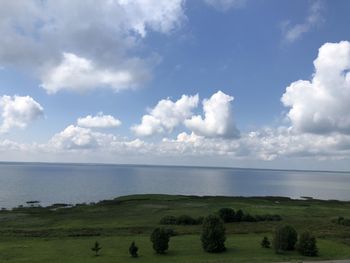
(51, 183)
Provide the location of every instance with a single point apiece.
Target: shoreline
(36, 203)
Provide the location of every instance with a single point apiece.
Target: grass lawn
(66, 235)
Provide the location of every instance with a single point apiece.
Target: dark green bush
(265, 243)
(307, 245)
(133, 250)
(213, 234)
(342, 221)
(227, 215)
(96, 248)
(200, 220)
(181, 220)
(285, 238)
(248, 218)
(186, 220)
(239, 215)
(160, 239)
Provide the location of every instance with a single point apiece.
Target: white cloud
(99, 121)
(74, 137)
(321, 105)
(267, 147)
(78, 139)
(162, 16)
(294, 32)
(99, 39)
(166, 115)
(80, 74)
(218, 118)
(225, 5)
(18, 111)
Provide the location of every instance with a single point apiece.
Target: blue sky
(124, 82)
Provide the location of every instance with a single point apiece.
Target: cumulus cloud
(292, 33)
(166, 115)
(78, 139)
(18, 111)
(74, 137)
(97, 42)
(225, 5)
(264, 144)
(321, 105)
(99, 121)
(80, 74)
(218, 118)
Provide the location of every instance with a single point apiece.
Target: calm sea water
(77, 183)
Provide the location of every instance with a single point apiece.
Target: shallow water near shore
(78, 183)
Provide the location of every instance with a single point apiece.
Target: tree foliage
(213, 234)
(227, 215)
(285, 238)
(160, 239)
(307, 245)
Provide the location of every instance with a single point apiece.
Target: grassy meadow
(67, 234)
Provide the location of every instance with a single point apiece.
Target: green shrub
(227, 215)
(186, 220)
(200, 220)
(285, 238)
(248, 218)
(160, 239)
(213, 234)
(307, 245)
(181, 220)
(239, 215)
(265, 243)
(342, 221)
(133, 250)
(96, 248)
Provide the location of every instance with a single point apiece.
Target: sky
(236, 83)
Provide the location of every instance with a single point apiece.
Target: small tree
(285, 238)
(160, 239)
(307, 245)
(96, 248)
(213, 234)
(265, 243)
(133, 250)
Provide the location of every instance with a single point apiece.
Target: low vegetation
(62, 233)
(342, 221)
(228, 215)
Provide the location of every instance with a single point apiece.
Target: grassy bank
(66, 234)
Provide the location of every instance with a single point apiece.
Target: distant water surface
(77, 183)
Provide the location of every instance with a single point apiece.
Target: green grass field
(66, 235)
